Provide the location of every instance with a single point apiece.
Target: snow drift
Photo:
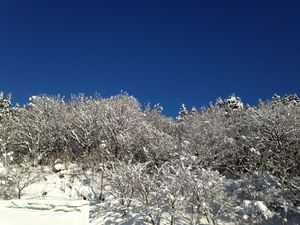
(44, 212)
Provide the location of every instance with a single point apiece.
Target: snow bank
(44, 212)
(63, 185)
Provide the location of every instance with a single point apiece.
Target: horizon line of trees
(226, 135)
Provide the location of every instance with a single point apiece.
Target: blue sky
(170, 52)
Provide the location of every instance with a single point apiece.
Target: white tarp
(44, 212)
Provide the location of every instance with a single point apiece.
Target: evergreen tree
(193, 110)
(5, 105)
(182, 113)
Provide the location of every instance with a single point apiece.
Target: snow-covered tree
(291, 99)
(154, 116)
(207, 196)
(82, 128)
(119, 120)
(38, 129)
(193, 111)
(231, 103)
(124, 181)
(182, 112)
(202, 138)
(14, 179)
(7, 119)
(267, 138)
(174, 189)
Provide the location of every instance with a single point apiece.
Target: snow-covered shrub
(124, 181)
(173, 187)
(253, 212)
(98, 177)
(149, 197)
(14, 179)
(207, 196)
(150, 192)
(261, 197)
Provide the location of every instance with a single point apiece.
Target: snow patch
(58, 167)
(44, 212)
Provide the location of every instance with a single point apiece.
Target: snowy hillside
(63, 186)
(221, 164)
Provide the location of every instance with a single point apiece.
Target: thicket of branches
(226, 138)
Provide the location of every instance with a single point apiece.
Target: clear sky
(170, 52)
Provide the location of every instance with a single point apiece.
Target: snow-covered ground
(44, 212)
(58, 199)
(70, 183)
